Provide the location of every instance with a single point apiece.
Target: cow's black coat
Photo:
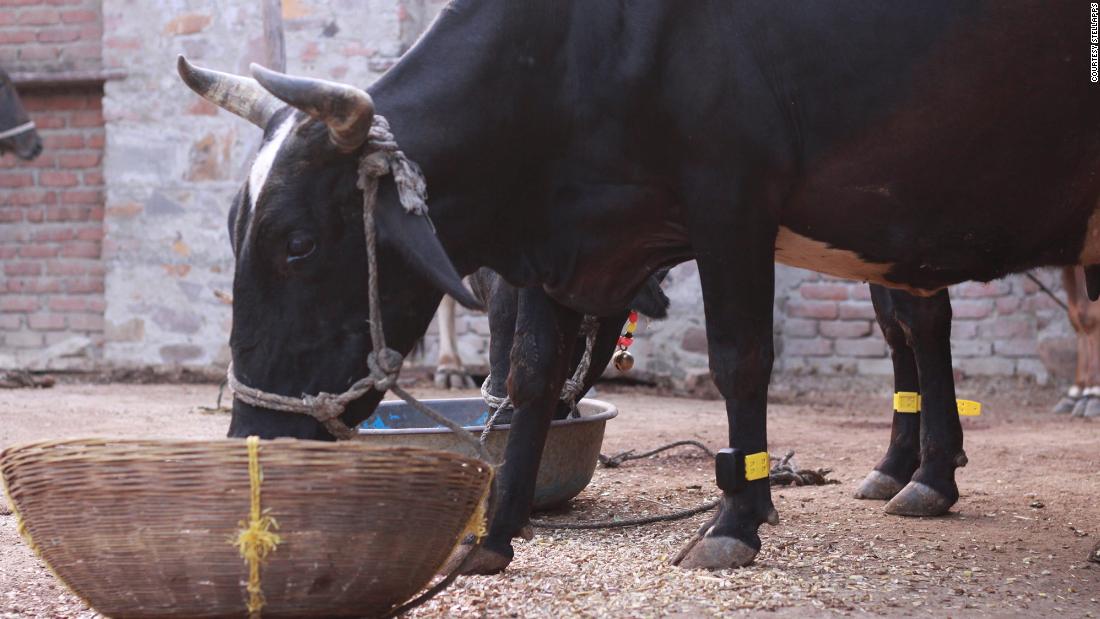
(912, 144)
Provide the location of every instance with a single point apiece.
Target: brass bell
(623, 360)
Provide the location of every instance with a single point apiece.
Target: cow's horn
(241, 95)
(347, 110)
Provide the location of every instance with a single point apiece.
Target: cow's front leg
(932, 490)
(903, 455)
(545, 334)
(737, 273)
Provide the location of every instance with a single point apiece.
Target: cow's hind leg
(737, 272)
(932, 490)
(903, 455)
(545, 334)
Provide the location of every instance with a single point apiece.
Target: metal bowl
(568, 460)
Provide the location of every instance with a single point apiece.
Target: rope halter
(382, 156)
(17, 130)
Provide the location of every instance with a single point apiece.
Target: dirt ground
(1015, 544)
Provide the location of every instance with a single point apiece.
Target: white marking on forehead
(265, 159)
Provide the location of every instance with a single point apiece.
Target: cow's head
(300, 307)
(24, 142)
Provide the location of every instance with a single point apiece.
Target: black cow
(17, 133)
(576, 147)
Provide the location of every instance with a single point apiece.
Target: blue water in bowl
(384, 420)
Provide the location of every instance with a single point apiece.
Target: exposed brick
(1022, 347)
(970, 309)
(46, 322)
(79, 16)
(845, 328)
(85, 322)
(1007, 305)
(38, 251)
(861, 293)
(56, 141)
(978, 290)
(861, 348)
(12, 303)
(58, 179)
(188, 23)
(816, 347)
(15, 37)
(87, 197)
(797, 327)
(83, 286)
(826, 310)
(16, 179)
(855, 311)
(13, 269)
(81, 249)
(964, 329)
(57, 35)
(825, 291)
(87, 119)
(1010, 327)
(38, 17)
(68, 304)
(79, 160)
(971, 348)
(67, 267)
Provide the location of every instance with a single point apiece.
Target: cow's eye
(300, 245)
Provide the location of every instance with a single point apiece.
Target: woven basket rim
(154, 444)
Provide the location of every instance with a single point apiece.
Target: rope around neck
(17, 130)
(383, 156)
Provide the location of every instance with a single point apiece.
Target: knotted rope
(570, 390)
(255, 540)
(382, 156)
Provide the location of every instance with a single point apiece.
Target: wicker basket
(145, 528)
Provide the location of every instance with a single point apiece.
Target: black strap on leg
(733, 469)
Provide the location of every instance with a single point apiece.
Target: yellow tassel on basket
(477, 525)
(256, 540)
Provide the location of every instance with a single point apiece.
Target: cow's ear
(414, 237)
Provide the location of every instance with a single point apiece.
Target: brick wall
(827, 326)
(52, 210)
(50, 35)
(52, 281)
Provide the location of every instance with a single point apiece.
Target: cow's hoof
(715, 553)
(486, 561)
(1079, 407)
(878, 486)
(917, 499)
(1065, 405)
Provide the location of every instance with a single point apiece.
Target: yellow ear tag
(757, 466)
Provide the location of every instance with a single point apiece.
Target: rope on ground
(22, 379)
(613, 462)
(784, 472)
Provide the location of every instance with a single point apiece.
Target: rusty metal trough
(568, 461)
